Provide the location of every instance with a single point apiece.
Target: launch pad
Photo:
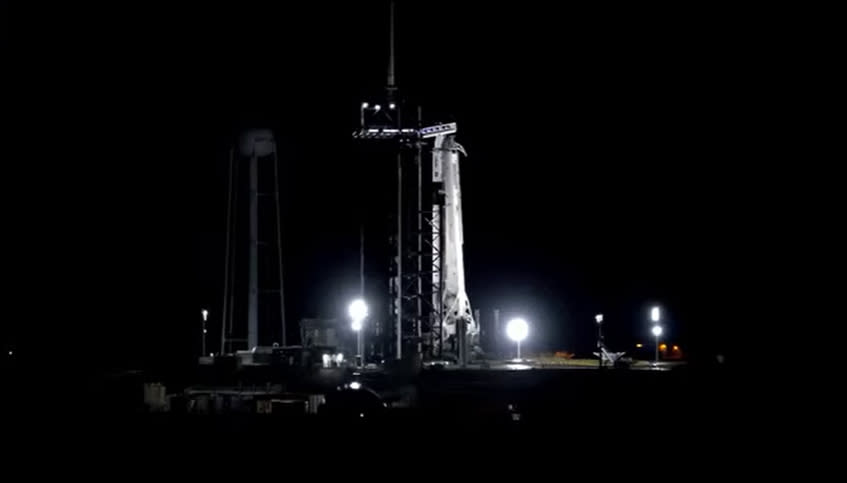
(429, 315)
(429, 305)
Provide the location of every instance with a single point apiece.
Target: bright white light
(205, 314)
(654, 314)
(355, 385)
(205, 331)
(517, 329)
(325, 359)
(356, 325)
(11, 353)
(211, 354)
(339, 358)
(392, 106)
(358, 310)
(657, 330)
(377, 107)
(599, 318)
(365, 105)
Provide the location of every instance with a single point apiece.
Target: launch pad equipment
(429, 308)
(430, 305)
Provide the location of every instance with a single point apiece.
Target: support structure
(253, 257)
(430, 308)
(497, 336)
(399, 281)
(427, 285)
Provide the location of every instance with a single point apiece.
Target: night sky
(605, 173)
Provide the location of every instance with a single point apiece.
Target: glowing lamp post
(517, 330)
(599, 319)
(657, 331)
(358, 312)
(205, 314)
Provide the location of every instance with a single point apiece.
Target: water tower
(253, 302)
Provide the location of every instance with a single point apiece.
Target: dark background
(614, 162)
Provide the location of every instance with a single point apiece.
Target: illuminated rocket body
(454, 303)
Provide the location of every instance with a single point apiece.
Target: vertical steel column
(362, 260)
(253, 293)
(399, 305)
(419, 266)
(229, 229)
(497, 335)
(284, 339)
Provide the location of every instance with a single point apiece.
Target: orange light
(676, 348)
(639, 345)
(663, 347)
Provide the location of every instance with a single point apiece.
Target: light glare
(654, 314)
(657, 330)
(358, 310)
(517, 329)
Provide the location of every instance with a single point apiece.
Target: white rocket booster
(454, 299)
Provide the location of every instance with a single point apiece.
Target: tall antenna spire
(391, 84)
